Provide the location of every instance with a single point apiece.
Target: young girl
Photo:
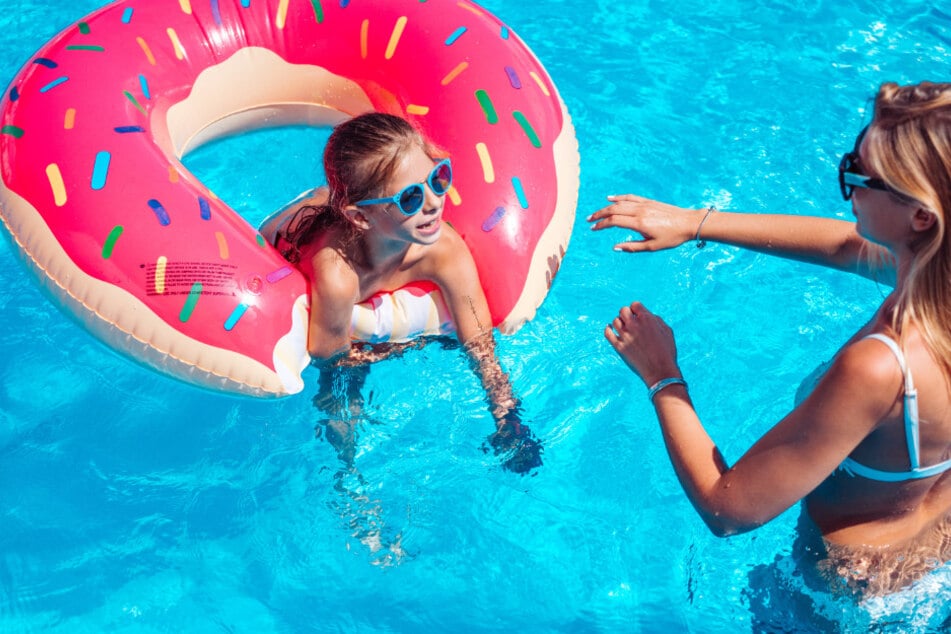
(377, 227)
(869, 446)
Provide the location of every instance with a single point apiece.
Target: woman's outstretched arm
(824, 241)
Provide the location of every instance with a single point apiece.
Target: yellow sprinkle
(56, 182)
(415, 109)
(454, 196)
(454, 73)
(176, 43)
(70, 120)
(186, 6)
(469, 7)
(222, 245)
(172, 174)
(487, 170)
(395, 37)
(145, 48)
(160, 265)
(541, 84)
(282, 13)
(364, 33)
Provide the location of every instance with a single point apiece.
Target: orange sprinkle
(172, 174)
(364, 33)
(70, 120)
(454, 73)
(395, 37)
(222, 245)
(145, 48)
(417, 109)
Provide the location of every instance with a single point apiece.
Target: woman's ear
(357, 217)
(923, 219)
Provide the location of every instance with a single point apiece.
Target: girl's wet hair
(360, 158)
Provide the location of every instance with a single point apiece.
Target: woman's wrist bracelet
(657, 387)
(700, 241)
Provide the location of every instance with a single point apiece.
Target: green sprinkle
(12, 130)
(84, 28)
(527, 127)
(85, 47)
(490, 114)
(111, 242)
(261, 241)
(190, 303)
(134, 101)
(318, 11)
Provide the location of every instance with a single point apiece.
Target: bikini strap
(910, 401)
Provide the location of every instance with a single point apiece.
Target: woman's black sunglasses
(851, 176)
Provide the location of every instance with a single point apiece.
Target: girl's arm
(791, 459)
(454, 270)
(333, 293)
(824, 241)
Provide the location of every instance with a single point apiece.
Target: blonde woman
(868, 448)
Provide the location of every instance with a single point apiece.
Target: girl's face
(425, 226)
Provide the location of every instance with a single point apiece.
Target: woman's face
(423, 227)
(881, 217)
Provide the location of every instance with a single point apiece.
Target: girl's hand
(662, 226)
(645, 343)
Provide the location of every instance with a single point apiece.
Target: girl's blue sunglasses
(409, 200)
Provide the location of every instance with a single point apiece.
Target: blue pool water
(132, 503)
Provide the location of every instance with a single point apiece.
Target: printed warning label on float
(180, 278)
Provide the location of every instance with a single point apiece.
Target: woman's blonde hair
(909, 144)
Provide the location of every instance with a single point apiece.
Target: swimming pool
(133, 503)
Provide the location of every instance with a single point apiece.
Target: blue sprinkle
(205, 208)
(145, 86)
(236, 314)
(513, 78)
(520, 192)
(216, 12)
(126, 129)
(53, 84)
(504, 32)
(14, 94)
(455, 36)
(160, 212)
(100, 170)
(127, 15)
(494, 219)
(42, 61)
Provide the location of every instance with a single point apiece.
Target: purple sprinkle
(494, 219)
(278, 275)
(216, 12)
(513, 78)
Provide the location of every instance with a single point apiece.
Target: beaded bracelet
(700, 242)
(657, 387)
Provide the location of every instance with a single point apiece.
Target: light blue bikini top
(852, 467)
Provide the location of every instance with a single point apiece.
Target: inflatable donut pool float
(152, 263)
